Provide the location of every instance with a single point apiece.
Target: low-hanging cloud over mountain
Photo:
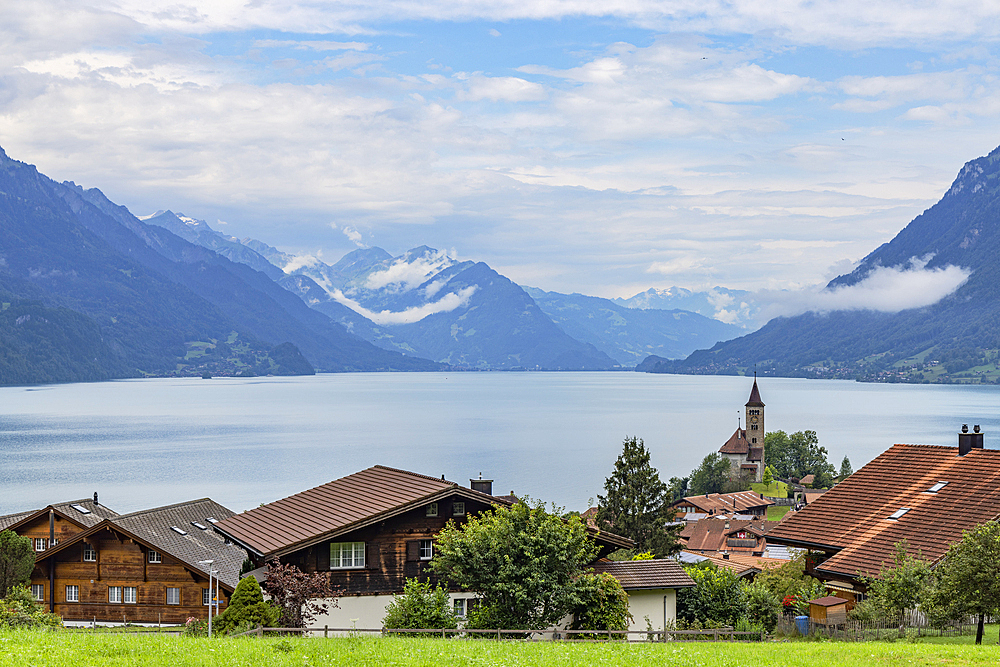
(445, 304)
(885, 289)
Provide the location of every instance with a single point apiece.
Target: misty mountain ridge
(943, 261)
(739, 307)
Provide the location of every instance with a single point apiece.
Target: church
(745, 448)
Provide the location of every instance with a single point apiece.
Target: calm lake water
(554, 436)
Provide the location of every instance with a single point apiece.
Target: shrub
(602, 605)
(420, 606)
(763, 606)
(247, 609)
(19, 610)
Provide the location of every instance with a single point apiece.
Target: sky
(601, 147)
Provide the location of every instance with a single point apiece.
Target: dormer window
(898, 514)
(937, 487)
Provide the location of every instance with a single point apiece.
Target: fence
(912, 625)
(712, 635)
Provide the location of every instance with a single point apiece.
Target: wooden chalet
(50, 525)
(741, 502)
(370, 530)
(141, 567)
(926, 495)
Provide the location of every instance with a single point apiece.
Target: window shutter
(323, 557)
(413, 550)
(372, 556)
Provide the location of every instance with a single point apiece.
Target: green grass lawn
(776, 512)
(776, 490)
(18, 648)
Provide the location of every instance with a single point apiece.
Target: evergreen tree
(247, 609)
(711, 476)
(768, 477)
(637, 503)
(845, 469)
(17, 560)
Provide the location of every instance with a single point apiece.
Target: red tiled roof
(726, 502)
(852, 519)
(737, 443)
(646, 574)
(711, 534)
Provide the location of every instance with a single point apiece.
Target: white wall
(659, 605)
(363, 611)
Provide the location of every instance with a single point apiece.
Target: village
(805, 561)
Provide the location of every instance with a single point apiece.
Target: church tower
(755, 428)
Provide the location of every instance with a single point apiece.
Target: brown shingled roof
(755, 401)
(646, 574)
(94, 514)
(852, 520)
(711, 534)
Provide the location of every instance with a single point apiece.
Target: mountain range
(956, 339)
(88, 291)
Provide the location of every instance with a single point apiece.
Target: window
(39, 544)
(38, 592)
(458, 509)
(426, 549)
(898, 514)
(72, 594)
(432, 509)
(173, 596)
(179, 531)
(205, 596)
(347, 554)
(155, 557)
(199, 525)
(80, 508)
(937, 487)
(212, 519)
(129, 593)
(89, 555)
(115, 594)
(460, 607)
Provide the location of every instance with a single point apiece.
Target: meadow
(76, 649)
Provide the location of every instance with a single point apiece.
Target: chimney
(482, 485)
(95, 498)
(969, 441)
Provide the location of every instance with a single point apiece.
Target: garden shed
(828, 610)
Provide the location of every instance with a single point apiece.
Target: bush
(717, 599)
(602, 605)
(763, 607)
(421, 606)
(247, 609)
(19, 610)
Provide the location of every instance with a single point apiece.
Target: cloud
(885, 289)
(445, 304)
(494, 32)
(403, 275)
(354, 236)
(497, 88)
(312, 45)
(300, 261)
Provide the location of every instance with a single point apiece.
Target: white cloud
(354, 236)
(402, 275)
(885, 289)
(496, 88)
(494, 32)
(445, 304)
(312, 45)
(300, 261)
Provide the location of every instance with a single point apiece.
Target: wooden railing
(715, 634)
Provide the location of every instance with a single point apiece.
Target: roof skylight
(212, 519)
(179, 531)
(196, 524)
(899, 513)
(937, 487)
(80, 508)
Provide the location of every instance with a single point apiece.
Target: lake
(553, 436)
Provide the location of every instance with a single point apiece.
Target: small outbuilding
(828, 610)
(652, 589)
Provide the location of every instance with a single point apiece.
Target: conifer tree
(845, 469)
(17, 560)
(636, 503)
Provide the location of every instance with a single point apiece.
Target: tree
(798, 455)
(602, 603)
(521, 560)
(763, 606)
(17, 560)
(637, 503)
(968, 579)
(768, 477)
(845, 469)
(711, 476)
(677, 487)
(300, 596)
(789, 579)
(898, 587)
(247, 609)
